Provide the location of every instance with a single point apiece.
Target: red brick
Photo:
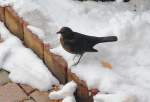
(40, 96)
(56, 65)
(33, 42)
(11, 93)
(82, 93)
(13, 22)
(27, 89)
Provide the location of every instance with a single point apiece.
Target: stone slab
(4, 77)
(27, 89)
(11, 92)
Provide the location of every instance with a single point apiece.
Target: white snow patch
(69, 99)
(118, 1)
(66, 93)
(114, 98)
(4, 52)
(4, 3)
(24, 66)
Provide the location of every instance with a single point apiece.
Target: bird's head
(65, 32)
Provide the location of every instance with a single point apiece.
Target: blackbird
(76, 43)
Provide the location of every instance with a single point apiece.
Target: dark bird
(76, 43)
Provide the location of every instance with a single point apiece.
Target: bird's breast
(66, 46)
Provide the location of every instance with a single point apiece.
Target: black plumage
(77, 43)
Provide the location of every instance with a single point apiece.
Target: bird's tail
(107, 39)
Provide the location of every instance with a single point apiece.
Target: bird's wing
(85, 37)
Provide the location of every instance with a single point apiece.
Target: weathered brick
(11, 92)
(2, 13)
(27, 89)
(13, 22)
(40, 96)
(4, 77)
(56, 65)
(33, 42)
(82, 92)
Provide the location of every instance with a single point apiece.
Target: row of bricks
(22, 93)
(55, 63)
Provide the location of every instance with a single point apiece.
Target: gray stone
(4, 77)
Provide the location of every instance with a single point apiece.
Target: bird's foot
(77, 62)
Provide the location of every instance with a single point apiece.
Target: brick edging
(56, 64)
(13, 22)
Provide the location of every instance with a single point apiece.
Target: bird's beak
(58, 32)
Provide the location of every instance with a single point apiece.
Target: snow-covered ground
(24, 66)
(128, 80)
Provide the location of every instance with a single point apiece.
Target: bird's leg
(78, 60)
(75, 57)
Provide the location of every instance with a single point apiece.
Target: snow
(129, 56)
(24, 66)
(114, 98)
(69, 99)
(39, 32)
(118, 1)
(66, 93)
(130, 22)
(4, 3)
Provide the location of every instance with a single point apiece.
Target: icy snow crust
(129, 77)
(24, 66)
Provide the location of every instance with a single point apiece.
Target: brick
(11, 93)
(4, 77)
(27, 89)
(40, 96)
(13, 22)
(56, 65)
(2, 14)
(33, 42)
(29, 100)
(82, 93)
